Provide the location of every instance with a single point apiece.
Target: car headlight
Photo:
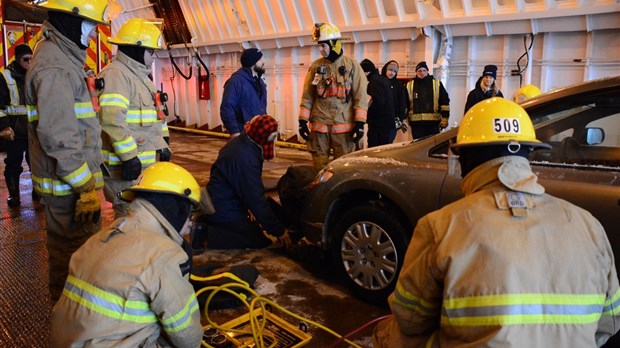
(322, 177)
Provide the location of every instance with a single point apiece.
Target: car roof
(584, 89)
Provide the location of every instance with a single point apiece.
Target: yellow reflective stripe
(79, 176)
(520, 309)
(435, 95)
(33, 113)
(146, 157)
(164, 127)
(406, 299)
(509, 299)
(612, 305)
(108, 304)
(126, 145)
(113, 99)
(138, 116)
(58, 187)
(183, 318)
(84, 110)
(2, 113)
(431, 340)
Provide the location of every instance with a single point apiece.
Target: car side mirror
(595, 136)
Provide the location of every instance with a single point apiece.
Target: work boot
(12, 185)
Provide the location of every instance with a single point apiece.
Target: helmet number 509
(506, 125)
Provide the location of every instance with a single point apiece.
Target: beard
(259, 70)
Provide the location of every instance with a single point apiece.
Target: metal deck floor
(302, 283)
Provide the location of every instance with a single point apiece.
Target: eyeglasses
(150, 52)
(26, 59)
(393, 69)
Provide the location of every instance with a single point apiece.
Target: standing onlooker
(64, 133)
(236, 190)
(14, 120)
(245, 93)
(507, 265)
(486, 87)
(429, 103)
(390, 70)
(128, 285)
(334, 100)
(381, 126)
(131, 131)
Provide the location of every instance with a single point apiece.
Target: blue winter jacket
(241, 100)
(236, 185)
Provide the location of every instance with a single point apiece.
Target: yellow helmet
(100, 11)
(496, 121)
(325, 32)
(139, 32)
(525, 92)
(165, 177)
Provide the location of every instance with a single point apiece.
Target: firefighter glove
(131, 169)
(444, 123)
(164, 154)
(88, 208)
(7, 134)
(358, 132)
(304, 132)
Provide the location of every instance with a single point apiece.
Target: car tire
(368, 247)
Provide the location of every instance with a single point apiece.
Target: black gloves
(131, 169)
(304, 132)
(358, 132)
(164, 154)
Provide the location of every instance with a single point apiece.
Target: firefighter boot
(12, 185)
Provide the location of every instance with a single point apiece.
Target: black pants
(244, 234)
(15, 151)
(421, 129)
(380, 135)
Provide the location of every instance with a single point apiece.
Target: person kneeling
(236, 189)
(128, 284)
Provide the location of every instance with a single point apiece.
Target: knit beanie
(263, 130)
(250, 56)
(490, 70)
(420, 65)
(21, 50)
(367, 65)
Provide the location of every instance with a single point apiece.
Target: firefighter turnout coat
(129, 122)
(334, 95)
(126, 288)
(64, 132)
(506, 266)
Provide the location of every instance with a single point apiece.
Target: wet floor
(301, 281)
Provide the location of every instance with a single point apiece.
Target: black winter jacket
(381, 110)
(399, 93)
(19, 123)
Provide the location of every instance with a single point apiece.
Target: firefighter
(64, 133)
(128, 285)
(14, 121)
(524, 93)
(131, 131)
(334, 101)
(428, 105)
(508, 264)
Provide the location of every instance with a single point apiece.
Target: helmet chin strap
(87, 28)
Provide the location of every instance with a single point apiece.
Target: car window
(585, 135)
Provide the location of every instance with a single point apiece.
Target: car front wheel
(368, 248)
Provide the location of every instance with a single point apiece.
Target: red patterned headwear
(263, 130)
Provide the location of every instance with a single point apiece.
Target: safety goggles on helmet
(496, 121)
